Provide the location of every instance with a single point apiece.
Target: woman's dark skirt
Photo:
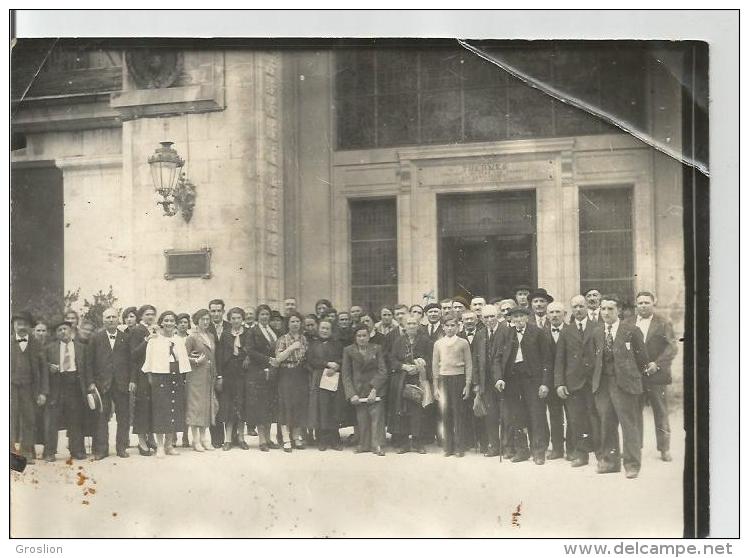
(168, 401)
(142, 414)
(231, 400)
(327, 409)
(293, 396)
(261, 397)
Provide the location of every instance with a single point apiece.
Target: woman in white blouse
(166, 364)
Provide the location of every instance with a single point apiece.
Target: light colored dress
(202, 404)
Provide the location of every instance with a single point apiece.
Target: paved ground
(339, 494)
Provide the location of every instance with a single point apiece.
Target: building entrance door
(487, 243)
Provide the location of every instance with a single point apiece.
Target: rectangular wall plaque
(188, 263)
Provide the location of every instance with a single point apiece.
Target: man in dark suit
(219, 327)
(525, 377)
(392, 419)
(29, 384)
(433, 328)
(109, 371)
(469, 333)
(660, 341)
(621, 361)
(573, 376)
(593, 301)
(540, 300)
(555, 314)
(486, 353)
(66, 360)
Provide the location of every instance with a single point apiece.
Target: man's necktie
(609, 339)
(67, 365)
(580, 328)
(171, 351)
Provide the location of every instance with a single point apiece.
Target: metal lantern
(166, 165)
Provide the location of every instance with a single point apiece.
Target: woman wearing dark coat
(142, 419)
(365, 381)
(411, 356)
(233, 384)
(261, 377)
(326, 408)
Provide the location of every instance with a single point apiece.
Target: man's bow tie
(555, 329)
(23, 340)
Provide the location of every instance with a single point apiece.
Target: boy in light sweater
(452, 372)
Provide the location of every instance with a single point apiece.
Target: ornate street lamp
(176, 190)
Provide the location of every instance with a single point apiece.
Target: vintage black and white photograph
(423, 287)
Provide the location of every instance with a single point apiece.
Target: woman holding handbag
(412, 359)
(233, 352)
(202, 404)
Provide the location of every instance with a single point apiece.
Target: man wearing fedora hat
(66, 360)
(539, 300)
(29, 384)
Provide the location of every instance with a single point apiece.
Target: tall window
(405, 96)
(606, 244)
(374, 253)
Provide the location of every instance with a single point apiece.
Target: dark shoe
(402, 450)
(420, 449)
(252, 432)
(287, 447)
(361, 450)
(632, 473)
(379, 451)
(151, 444)
(226, 446)
(459, 454)
(145, 452)
(185, 442)
(520, 456)
(492, 452)
(337, 447)
(99, 456)
(300, 446)
(508, 454)
(272, 445)
(264, 447)
(666, 456)
(322, 447)
(579, 461)
(78, 456)
(539, 459)
(570, 456)
(244, 445)
(554, 454)
(123, 453)
(604, 468)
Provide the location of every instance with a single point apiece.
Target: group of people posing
(514, 377)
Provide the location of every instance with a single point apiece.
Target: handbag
(414, 393)
(479, 407)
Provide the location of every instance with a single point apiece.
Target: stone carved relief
(154, 68)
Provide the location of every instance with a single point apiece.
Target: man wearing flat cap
(539, 300)
(524, 378)
(29, 384)
(66, 406)
(521, 293)
(433, 327)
